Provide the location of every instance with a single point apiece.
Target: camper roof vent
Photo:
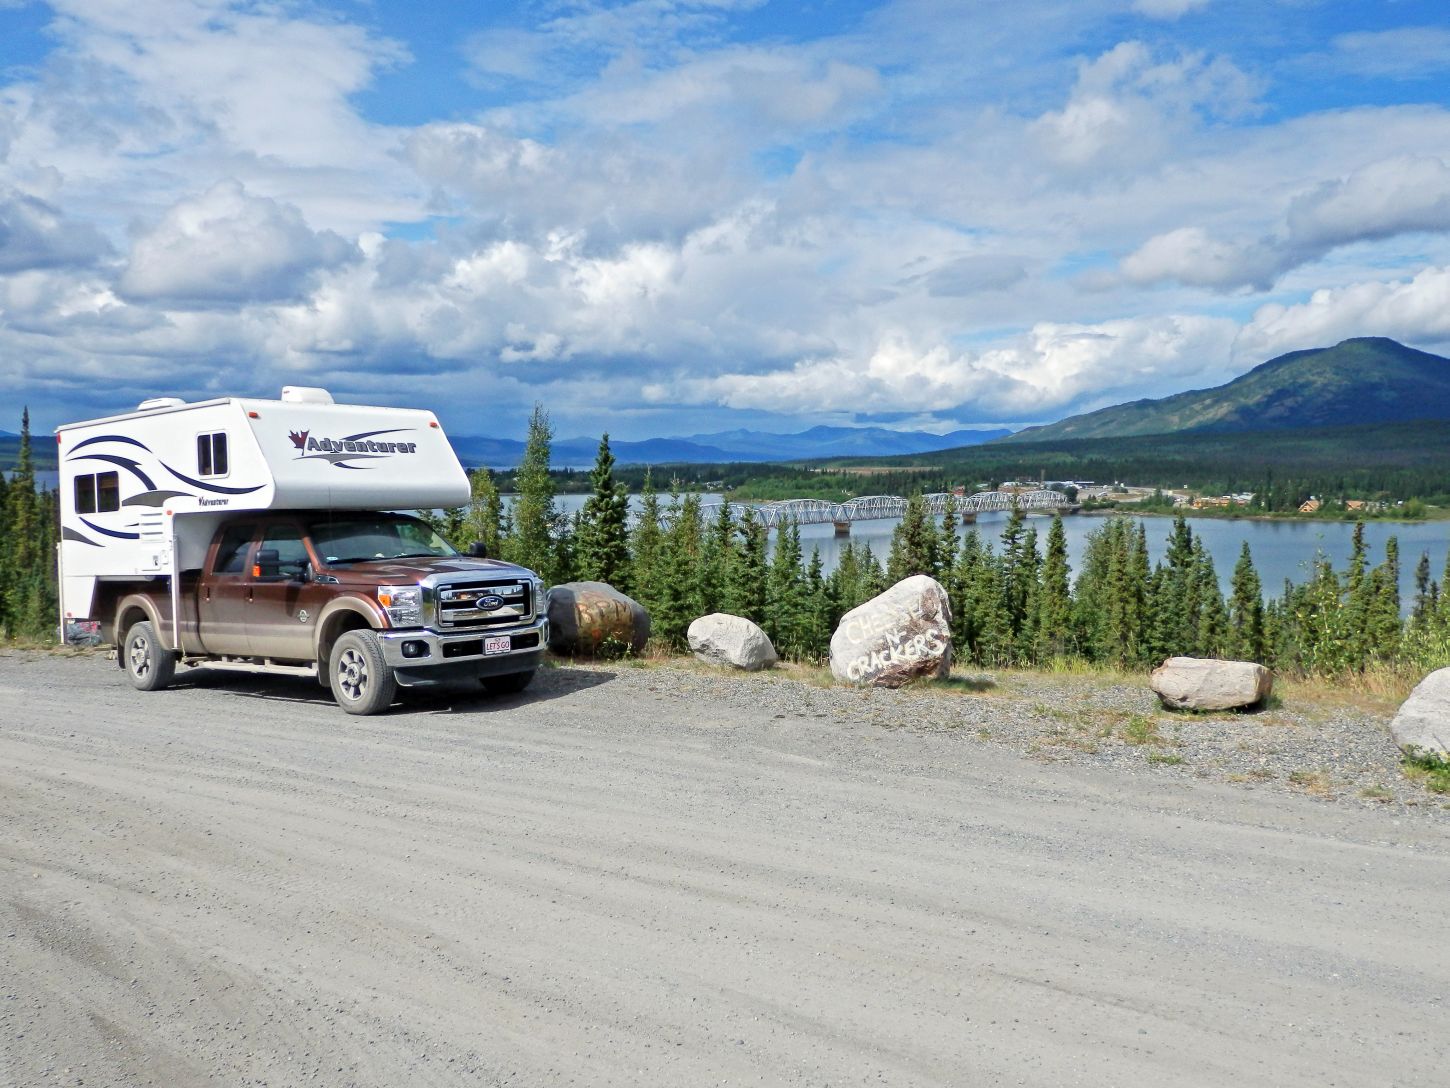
(305, 394)
(159, 402)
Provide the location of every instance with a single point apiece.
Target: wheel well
(333, 628)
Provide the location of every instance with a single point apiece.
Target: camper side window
(98, 492)
(211, 454)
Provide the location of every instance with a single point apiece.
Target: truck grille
(459, 604)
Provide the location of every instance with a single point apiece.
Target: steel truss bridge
(876, 507)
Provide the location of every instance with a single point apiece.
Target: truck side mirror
(478, 550)
(268, 564)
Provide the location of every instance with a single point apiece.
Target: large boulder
(721, 639)
(593, 619)
(1422, 726)
(902, 635)
(1198, 683)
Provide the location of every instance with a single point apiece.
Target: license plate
(498, 644)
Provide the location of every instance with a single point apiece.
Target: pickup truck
(362, 601)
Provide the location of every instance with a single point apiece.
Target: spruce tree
(601, 543)
(536, 522)
(1054, 602)
(1247, 639)
(785, 599)
(646, 575)
(913, 543)
(745, 585)
(483, 518)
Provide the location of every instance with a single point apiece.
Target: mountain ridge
(1361, 380)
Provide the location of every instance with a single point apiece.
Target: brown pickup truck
(364, 602)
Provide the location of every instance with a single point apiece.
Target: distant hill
(725, 447)
(1361, 381)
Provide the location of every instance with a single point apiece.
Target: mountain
(1360, 381)
(726, 446)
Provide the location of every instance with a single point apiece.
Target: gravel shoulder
(664, 876)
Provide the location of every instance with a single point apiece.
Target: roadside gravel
(662, 876)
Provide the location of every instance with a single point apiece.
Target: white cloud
(1168, 9)
(1409, 53)
(225, 247)
(1415, 310)
(36, 234)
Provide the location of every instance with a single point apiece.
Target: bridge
(876, 507)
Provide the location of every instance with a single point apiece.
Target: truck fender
(341, 615)
(133, 608)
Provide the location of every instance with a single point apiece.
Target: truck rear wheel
(362, 682)
(149, 665)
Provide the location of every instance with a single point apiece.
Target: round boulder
(900, 636)
(1205, 683)
(593, 619)
(732, 641)
(1422, 726)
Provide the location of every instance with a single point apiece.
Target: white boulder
(1422, 726)
(1194, 683)
(733, 641)
(901, 635)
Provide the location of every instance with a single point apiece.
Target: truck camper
(265, 536)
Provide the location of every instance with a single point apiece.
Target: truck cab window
(98, 492)
(292, 556)
(211, 454)
(231, 553)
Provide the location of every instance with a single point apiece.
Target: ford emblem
(489, 602)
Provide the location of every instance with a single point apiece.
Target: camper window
(211, 454)
(98, 493)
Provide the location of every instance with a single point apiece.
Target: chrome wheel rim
(352, 674)
(139, 657)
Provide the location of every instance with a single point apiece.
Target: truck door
(221, 604)
(282, 609)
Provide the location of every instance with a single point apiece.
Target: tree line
(1015, 600)
(28, 597)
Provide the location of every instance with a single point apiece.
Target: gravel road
(630, 876)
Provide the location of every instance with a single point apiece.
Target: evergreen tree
(679, 591)
(646, 574)
(1424, 605)
(1054, 602)
(913, 543)
(483, 518)
(718, 550)
(1247, 639)
(821, 616)
(602, 538)
(536, 523)
(786, 617)
(745, 585)
(1212, 631)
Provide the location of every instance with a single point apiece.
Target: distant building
(1310, 506)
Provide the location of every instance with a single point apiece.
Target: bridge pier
(969, 517)
(843, 528)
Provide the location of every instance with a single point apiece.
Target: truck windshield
(362, 537)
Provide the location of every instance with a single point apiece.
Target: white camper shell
(142, 494)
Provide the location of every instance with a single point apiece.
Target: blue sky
(663, 217)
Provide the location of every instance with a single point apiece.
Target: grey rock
(722, 639)
(1205, 683)
(593, 619)
(901, 635)
(1422, 726)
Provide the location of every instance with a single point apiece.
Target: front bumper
(458, 655)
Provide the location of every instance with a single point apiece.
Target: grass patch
(1429, 772)
(1167, 759)
(1141, 729)
(1377, 793)
(1314, 783)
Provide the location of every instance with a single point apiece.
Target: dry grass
(1314, 783)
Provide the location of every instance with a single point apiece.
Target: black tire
(362, 682)
(149, 665)
(510, 683)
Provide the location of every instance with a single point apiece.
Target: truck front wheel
(149, 665)
(362, 682)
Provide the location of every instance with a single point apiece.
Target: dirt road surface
(604, 882)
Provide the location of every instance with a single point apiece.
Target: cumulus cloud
(1414, 310)
(226, 247)
(1381, 200)
(35, 234)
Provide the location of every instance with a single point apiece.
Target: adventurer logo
(354, 447)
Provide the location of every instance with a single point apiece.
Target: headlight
(403, 604)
